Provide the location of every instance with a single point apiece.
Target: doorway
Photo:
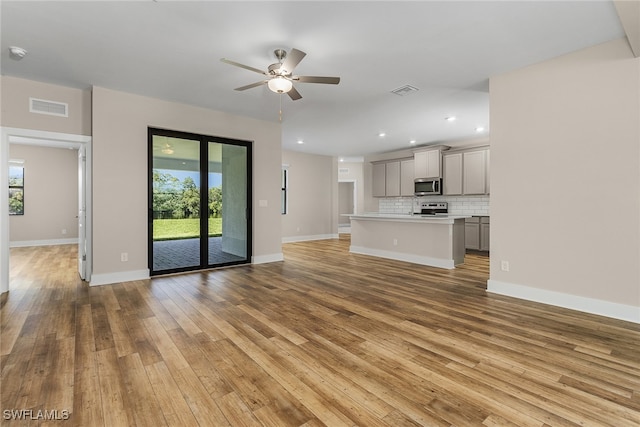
(346, 204)
(82, 143)
(199, 201)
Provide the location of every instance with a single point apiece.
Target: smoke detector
(17, 53)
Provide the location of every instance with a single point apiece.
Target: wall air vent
(52, 108)
(343, 170)
(405, 90)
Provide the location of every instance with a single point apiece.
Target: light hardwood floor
(324, 338)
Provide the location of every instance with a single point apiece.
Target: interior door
(82, 213)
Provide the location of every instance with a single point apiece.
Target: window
(16, 190)
(285, 190)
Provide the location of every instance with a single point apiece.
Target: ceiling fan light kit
(280, 84)
(280, 76)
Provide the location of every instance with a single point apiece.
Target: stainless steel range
(432, 208)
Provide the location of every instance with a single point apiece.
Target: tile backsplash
(458, 205)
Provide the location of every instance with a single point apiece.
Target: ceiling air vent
(53, 108)
(343, 170)
(405, 90)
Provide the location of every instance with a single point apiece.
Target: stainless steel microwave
(427, 186)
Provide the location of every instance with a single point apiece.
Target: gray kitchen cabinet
(406, 177)
(472, 233)
(392, 179)
(427, 164)
(378, 182)
(385, 179)
(484, 233)
(476, 233)
(474, 173)
(452, 174)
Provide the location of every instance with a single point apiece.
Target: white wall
(51, 196)
(565, 181)
(313, 198)
(120, 123)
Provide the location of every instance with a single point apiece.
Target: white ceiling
(172, 51)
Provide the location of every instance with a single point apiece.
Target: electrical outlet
(504, 265)
(124, 257)
(395, 242)
(64, 231)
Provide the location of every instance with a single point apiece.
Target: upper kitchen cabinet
(386, 179)
(474, 166)
(407, 177)
(452, 174)
(427, 164)
(466, 172)
(392, 179)
(378, 183)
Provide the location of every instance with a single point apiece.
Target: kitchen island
(434, 240)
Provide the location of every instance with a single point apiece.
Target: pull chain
(280, 117)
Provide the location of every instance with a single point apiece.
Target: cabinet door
(420, 164)
(427, 164)
(433, 164)
(378, 182)
(487, 180)
(452, 174)
(474, 172)
(406, 177)
(392, 185)
(472, 236)
(484, 237)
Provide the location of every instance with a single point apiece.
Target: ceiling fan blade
(246, 67)
(292, 59)
(256, 84)
(294, 94)
(316, 79)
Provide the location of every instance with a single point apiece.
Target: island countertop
(434, 240)
(440, 218)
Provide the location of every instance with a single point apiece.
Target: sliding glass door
(199, 201)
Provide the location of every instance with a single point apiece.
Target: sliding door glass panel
(176, 237)
(227, 178)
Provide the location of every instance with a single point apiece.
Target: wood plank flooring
(324, 338)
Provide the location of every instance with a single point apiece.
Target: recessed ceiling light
(479, 129)
(300, 141)
(450, 118)
(341, 159)
(413, 141)
(381, 134)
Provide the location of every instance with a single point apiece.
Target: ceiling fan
(280, 76)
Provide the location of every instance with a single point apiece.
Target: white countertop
(409, 217)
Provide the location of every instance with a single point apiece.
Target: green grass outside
(169, 229)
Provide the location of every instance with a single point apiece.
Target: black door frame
(204, 141)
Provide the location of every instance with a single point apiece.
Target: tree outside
(176, 208)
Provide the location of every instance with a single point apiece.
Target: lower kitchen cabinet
(476, 233)
(484, 233)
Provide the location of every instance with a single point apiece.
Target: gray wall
(313, 197)
(51, 195)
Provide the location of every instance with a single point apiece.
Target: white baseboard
(416, 259)
(614, 310)
(48, 242)
(121, 276)
(294, 239)
(264, 259)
